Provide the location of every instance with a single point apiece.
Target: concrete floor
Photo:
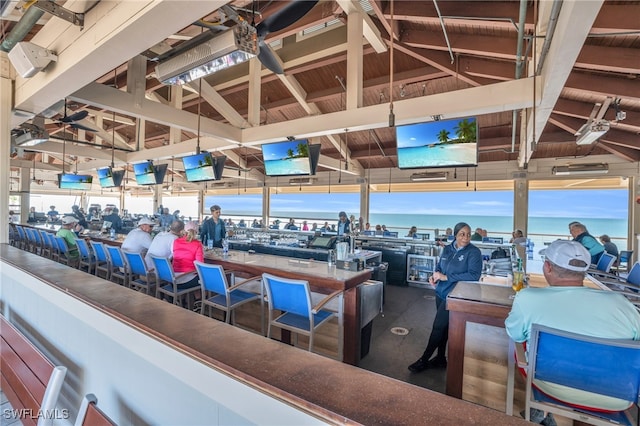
(390, 354)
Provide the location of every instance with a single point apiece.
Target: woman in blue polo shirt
(460, 261)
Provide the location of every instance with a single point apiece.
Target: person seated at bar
(255, 224)
(291, 224)
(186, 250)
(275, 225)
(580, 234)
(166, 218)
(477, 235)
(344, 226)
(162, 244)
(52, 214)
(79, 214)
(111, 216)
(325, 227)
(67, 231)
(242, 224)
(608, 245)
(139, 239)
(413, 232)
(314, 226)
(305, 226)
(568, 305)
(379, 230)
(385, 231)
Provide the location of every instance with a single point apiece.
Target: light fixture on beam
(301, 181)
(581, 169)
(224, 50)
(428, 176)
(28, 135)
(591, 132)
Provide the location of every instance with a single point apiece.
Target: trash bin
(379, 273)
(371, 293)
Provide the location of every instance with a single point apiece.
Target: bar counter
(335, 392)
(322, 278)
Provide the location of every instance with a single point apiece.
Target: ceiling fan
(73, 119)
(190, 54)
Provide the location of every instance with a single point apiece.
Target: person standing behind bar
(460, 261)
(344, 226)
(213, 228)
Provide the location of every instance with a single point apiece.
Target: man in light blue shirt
(568, 305)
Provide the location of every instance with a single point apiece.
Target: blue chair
(167, 284)
(87, 259)
(624, 258)
(604, 264)
(118, 266)
(217, 293)
(46, 244)
(63, 252)
(140, 278)
(102, 259)
(21, 241)
(292, 298)
(608, 367)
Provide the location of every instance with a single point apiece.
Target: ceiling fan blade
(285, 17)
(75, 116)
(268, 59)
(82, 127)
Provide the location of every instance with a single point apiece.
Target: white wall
(137, 379)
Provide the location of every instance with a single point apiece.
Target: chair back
(136, 263)
(634, 274)
(212, 277)
(45, 239)
(61, 244)
(625, 256)
(53, 243)
(164, 270)
(605, 262)
(100, 251)
(21, 234)
(587, 363)
(83, 248)
(288, 295)
(117, 259)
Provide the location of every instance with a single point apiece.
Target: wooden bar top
(318, 273)
(335, 392)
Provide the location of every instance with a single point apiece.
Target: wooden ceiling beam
(605, 85)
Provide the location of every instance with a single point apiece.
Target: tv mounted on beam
(110, 178)
(147, 173)
(73, 181)
(287, 158)
(442, 143)
(203, 167)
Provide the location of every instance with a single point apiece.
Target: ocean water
(540, 229)
(291, 166)
(438, 155)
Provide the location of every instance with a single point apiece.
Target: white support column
(157, 197)
(136, 79)
(175, 95)
(634, 218)
(521, 204)
(121, 203)
(201, 206)
(266, 205)
(6, 93)
(25, 188)
(354, 60)
(364, 201)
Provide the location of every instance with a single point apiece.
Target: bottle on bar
(518, 277)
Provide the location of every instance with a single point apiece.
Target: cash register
(323, 242)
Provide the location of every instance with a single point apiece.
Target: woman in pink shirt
(186, 250)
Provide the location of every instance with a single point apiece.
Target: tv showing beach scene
(288, 158)
(443, 143)
(73, 181)
(144, 173)
(199, 167)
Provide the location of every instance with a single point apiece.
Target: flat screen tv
(73, 181)
(287, 158)
(110, 178)
(148, 174)
(443, 143)
(199, 167)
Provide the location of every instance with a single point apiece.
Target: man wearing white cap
(139, 239)
(568, 305)
(66, 231)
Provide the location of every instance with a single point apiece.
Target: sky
(277, 151)
(414, 135)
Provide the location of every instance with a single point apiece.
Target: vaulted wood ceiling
(442, 50)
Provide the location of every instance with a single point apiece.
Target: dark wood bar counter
(334, 392)
(321, 277)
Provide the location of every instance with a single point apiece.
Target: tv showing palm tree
(287, 158)
(443, 143)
